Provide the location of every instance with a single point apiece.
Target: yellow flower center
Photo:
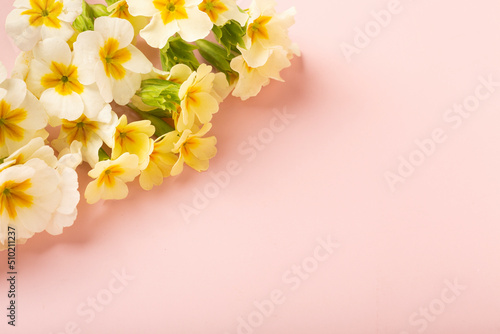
(257, 29)
(108, 177)
(80, 130)
(121, 11)
(213, 8)
(44, 12)
(9, 122)
(63, 78)
(112, 58)
(13, 196)
(171, 10)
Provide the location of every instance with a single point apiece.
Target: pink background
(322, 175)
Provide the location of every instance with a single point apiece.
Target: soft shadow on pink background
(396, 252)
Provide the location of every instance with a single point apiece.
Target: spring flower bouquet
(80, 65)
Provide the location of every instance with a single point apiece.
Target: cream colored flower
(21, 115)
(198, 101)
(107, 57)
(111, 177)
(22, 66)
(266, 31)
(161, 161)
(194, 150)
(120, 10)
(170, 17)
(35, 196)
(55, 80)
(251, 80)
(91, 132)
(133, 138)
(35, 149)
(34, 20)
(221, 11)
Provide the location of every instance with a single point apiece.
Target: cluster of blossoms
(80, 74)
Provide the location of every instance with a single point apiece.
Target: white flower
(22, 66)
(111, 178)
(3, 76)
(106, 56)
(266, 30)
(35, 149)
(221, 11)
(22, 116)
(55, 80)
(170, 17)
(91, 132)
(34, 20)
(251, 80)
(35, 197)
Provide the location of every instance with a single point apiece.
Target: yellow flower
(221, 11)
(111, 177)
(161, 161)
(197, 98)
(133, 138)
(194, 150)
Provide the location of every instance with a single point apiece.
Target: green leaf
(230, 35)
(103, 155)
(110, 2)
(178, 51)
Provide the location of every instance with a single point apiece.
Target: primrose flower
(161, 161)
(111, 178)
(221, 11)
(21, 114)
(133, 138)
(35, 196)
(120, 10)
(194, 150)
(55, 80)
(266, 30)
(198, 101)
(251, 80)
(106, 56)
(34, 20)
(91, 132)
(22, 66)
(170, 17)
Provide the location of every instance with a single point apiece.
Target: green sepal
(230, 36)
(217, 56)
(103, 155)
(85, 21)
(161, 94)
(178, 51)
(110, 2)
(161, 127)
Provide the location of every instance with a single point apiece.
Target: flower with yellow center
(221, 11)
(197, 98)
(21, 116)
(55, 80)
(107, 57)
(251, 80)
(91, 132)
(34, 20)
(266, 30)
(36, 153)
(35, 196)
(161, 161)
(120, 10)
(134, 138)
(170, 17)
(111, 177)
(194, 150)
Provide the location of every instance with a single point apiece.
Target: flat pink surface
(424, 258)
